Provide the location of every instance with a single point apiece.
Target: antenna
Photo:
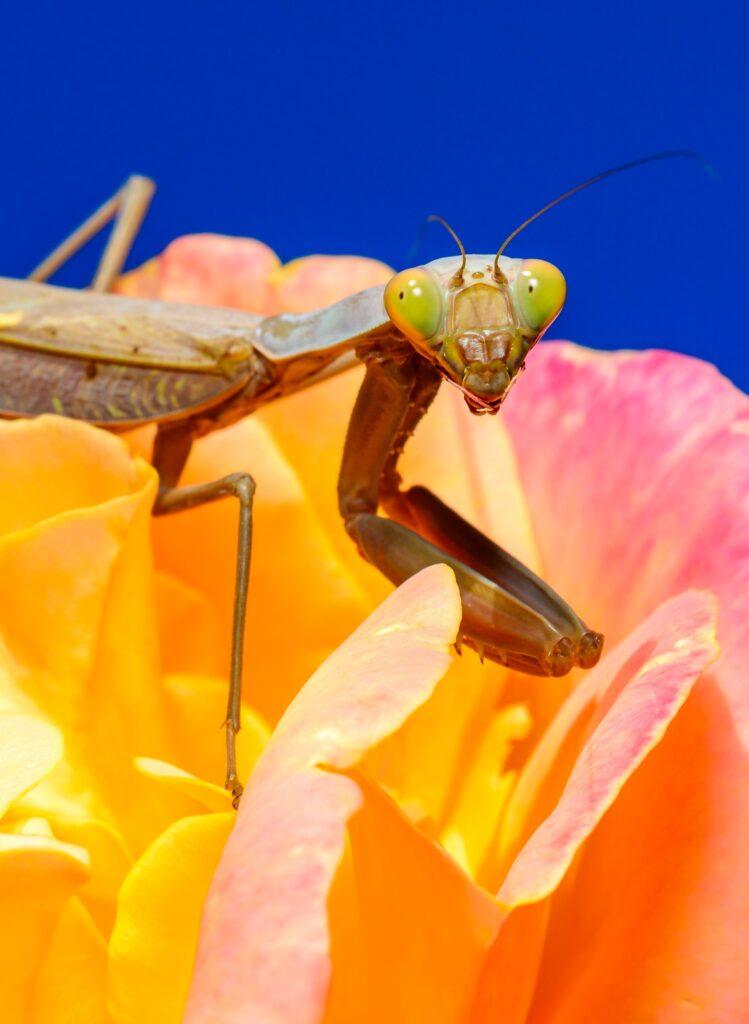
(457, 277)
(671, 154)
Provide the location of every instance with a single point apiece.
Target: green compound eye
(540, 291)
(415, 303)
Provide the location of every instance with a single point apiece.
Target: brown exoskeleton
(470, 320)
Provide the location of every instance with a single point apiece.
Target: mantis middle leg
(171, 448)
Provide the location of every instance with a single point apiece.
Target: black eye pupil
(400, 295)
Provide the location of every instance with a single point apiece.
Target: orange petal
(409, 931)
(293, 564)
(51, 465)
(142, 283)
(425, 764)
(190, 629)
(77, 615)
(265, 947)
(315, 457)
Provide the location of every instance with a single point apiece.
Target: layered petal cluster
(114, 643)
(423, 837)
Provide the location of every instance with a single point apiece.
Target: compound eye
(540, 291)
(415, 303)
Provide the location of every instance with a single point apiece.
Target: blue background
(338, 127)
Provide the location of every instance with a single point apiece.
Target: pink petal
(637, 471)
(636, 691)
(211, 270)
(636, 467)
(218, 270)
(316, 281)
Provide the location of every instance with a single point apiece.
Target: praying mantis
(470, 320)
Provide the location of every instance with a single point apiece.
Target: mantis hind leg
(170, 454)
(127, 208)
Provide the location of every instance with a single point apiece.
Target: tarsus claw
(236, 789)
(589, 649)
(562, 657)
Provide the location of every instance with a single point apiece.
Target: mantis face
(476, 325)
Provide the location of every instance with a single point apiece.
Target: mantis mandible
(468, 319)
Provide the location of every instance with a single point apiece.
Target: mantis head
(476, 318)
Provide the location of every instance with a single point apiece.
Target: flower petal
(194, 705)
(63, 818)
(207, 795)
(50, 465)
(29, 750)
(282, 615)
(222, 270)
(612, 532)
(191, 639)
(617, 714)
(638, 688)
(264, 948)
(152, 946)
(211, 270)
(77, 614)
(38, 875)
(142, 283)
(409, 930)
(672, 849)
(316, 281)
(482, 796)
(71, 984)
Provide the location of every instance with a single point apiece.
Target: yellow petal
(152, 948)
(71, 985)
(197, 710)
(207, 794)
(422, 764)
(142, 283)
(110, 862)
(29, 827)
(485, 789)
(62, 811)
(38, 876)
(29, 749)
